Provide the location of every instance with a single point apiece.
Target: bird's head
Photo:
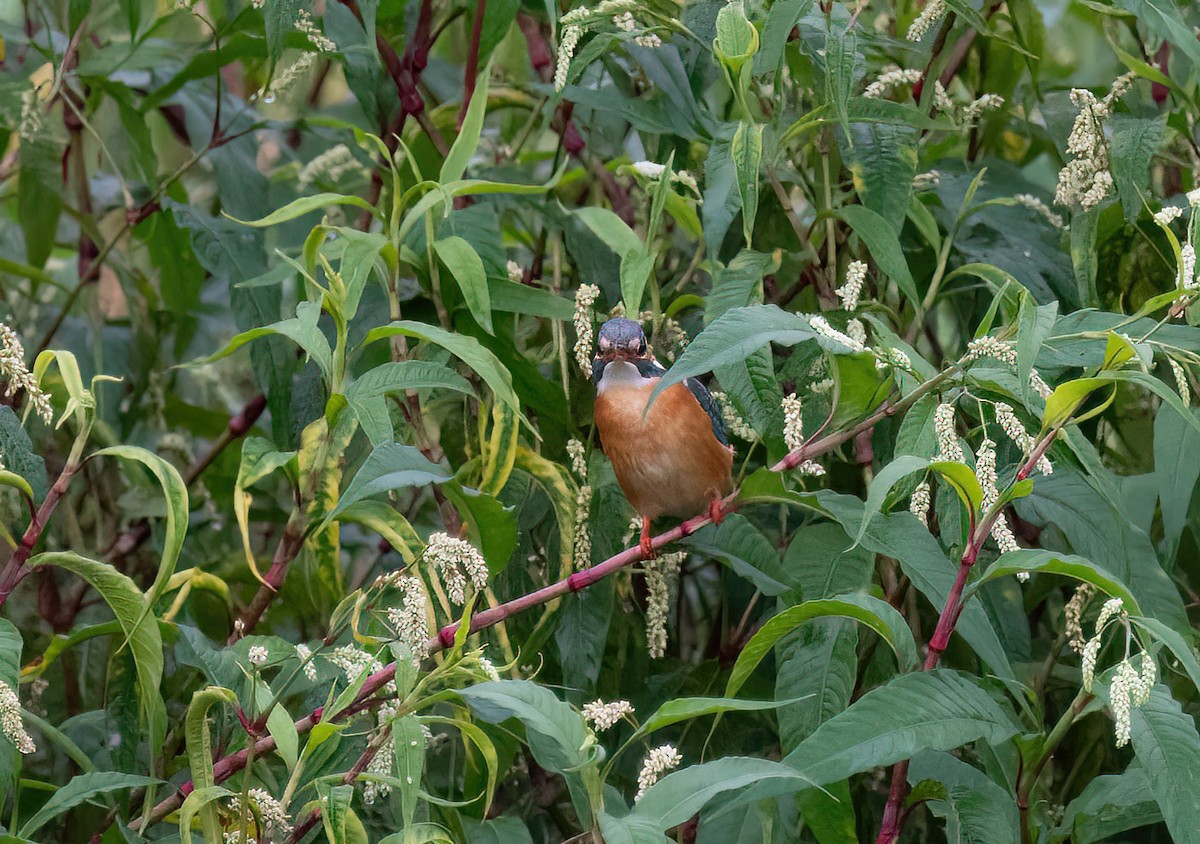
(620, 339)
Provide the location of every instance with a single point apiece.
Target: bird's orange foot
(644, 543)
(715, 514)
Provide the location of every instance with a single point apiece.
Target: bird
(675, 459)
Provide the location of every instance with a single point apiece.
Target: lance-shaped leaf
(301, 329)
(879, 615)
(733, 336)
(466, 266)
(389, 466)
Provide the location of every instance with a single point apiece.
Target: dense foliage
(307, 530)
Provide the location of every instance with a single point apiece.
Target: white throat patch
(621, 374)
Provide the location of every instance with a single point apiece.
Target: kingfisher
(674, 460)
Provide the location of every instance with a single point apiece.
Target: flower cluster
(1073, 614)
(990, 347)
(975, 109)
(582, 552)
(10, 720)
(618, 13)
(651, 170)
(456, 560)
(1168, 215)
(489, 669)
(1187, 268)
(304, 654)
(410, 620)
(282, 82)
(31, 115)
(661, 575)
(851, 289)
(1129, 687)
(603, 715)
(1003, 351)
(821, 326)
(933, 12)
(333, 165)
(737, 426)
(1086, 180)
(1016, 432)
(275, 822)
(857, 332)
(671, 338)
(1181, 380)
(515, 274)
(793, 422)
(307, 27)
(585, 332)
(892, 78)
(918, 503)
(926, 181)
(985, 470)
(566, 51)
(889, 357)
(949, 448)
(353, 662)
(257, 655)
(656, 763)
(1034, 204)
(383, 763)
(14, 371)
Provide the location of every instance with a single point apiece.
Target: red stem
(14, 570)
(893, 820)
(472, 69)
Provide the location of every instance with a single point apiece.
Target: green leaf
(485, 363)
(80, 789)
(176, 494)
(636, 267)
(15, 481)
(1051, 562)
(389, 466)
(465, 265)
(301, 329)
(382, 518)
(732, 337)
(140, 627)
(1135, 140)
(555, 731)
(939, 710)
(902, 537)
(408, 743)
(306, 205)
(200, 758)
(467, 140)
(1108, 806)
(977, 810)
(404, 375)
(687, 708)
(678, 796)
(746, 152)
(1165, 741)
(883, 244)
(19, 455)
(874, 613)
(1176, 469)
(1163, 19)
(883, 162)
(199, 802)
(737, 38)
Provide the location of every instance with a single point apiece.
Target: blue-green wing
(710, 407)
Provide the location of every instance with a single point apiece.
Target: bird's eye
(642, 346)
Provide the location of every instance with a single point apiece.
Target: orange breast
(669, 463)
